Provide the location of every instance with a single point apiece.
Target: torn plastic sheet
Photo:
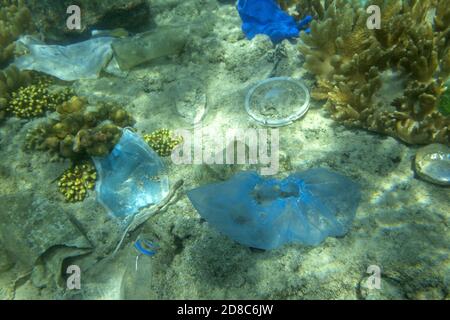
(131, 177)
(83, 60)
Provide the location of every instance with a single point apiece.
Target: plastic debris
(83, 60)
(137, 280)
(266, 17)
(131, 177)
(161, 42)
(146, 247)
(278, 101)
(164, 41)
(432, 164)
(266, 213)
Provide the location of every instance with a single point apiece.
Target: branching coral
(11, 79)
(300, 8)
(75, 182)
(15, 19)
(162, 141)
(388, 80)
(81, 130)
(444, 101)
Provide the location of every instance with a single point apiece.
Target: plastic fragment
(266, 213)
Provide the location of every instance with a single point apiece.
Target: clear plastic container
(277, 102)
(137, 279)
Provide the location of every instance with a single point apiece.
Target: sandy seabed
(402, 223)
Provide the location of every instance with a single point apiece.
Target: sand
(401, 225)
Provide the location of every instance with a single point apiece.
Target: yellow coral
(34, 100)
(162, 141)
(76, 181)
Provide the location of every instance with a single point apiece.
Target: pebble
(432, 164)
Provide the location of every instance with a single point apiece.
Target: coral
(34, 100)
(15, 19)
(81, 130)
(75, 182)
(162, 141)
(10, 80)
(444, 102)
(390, 80)
(299, 8)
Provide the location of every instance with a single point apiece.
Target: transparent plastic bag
(83, 60)
(131, 177)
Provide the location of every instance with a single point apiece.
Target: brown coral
(387, 80)
(15, 19)
(11, 79)
(81, 130)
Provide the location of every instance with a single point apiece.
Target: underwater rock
(5, 261)
(131, 177)
(267, 213)
(432, 164)
(50, 16)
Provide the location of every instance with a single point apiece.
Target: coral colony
(389, 80)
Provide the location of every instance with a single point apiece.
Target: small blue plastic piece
(131, 177)
(266, 17)
(146, 247)
(267, 213)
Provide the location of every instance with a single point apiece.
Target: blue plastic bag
(266, 17)
(131, 177)
(266, 213)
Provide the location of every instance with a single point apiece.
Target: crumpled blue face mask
(266, 213)
(266, 17)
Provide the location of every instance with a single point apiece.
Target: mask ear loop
(137, 258)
